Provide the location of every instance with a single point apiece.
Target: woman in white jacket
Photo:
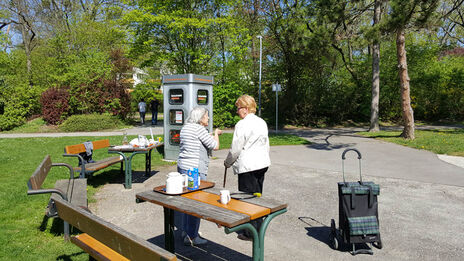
(249, 153)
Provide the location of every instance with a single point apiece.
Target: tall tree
(405, 15)
(374, 127)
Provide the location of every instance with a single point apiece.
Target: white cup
(225, 196)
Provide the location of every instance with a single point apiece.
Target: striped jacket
(195, 141)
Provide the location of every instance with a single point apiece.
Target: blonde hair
(246, 101)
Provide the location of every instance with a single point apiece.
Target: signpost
(277, 88)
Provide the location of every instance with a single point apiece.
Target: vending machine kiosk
(182, 93)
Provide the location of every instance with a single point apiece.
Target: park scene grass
(439, 141)
(26, 235)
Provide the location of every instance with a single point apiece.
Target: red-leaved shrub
(104, 94)
(54, 103)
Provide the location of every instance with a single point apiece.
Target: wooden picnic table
(205, 204)
(134, 150)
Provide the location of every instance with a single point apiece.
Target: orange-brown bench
(105, 241)
(89, 168)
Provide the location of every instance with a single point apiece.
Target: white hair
(196, 114)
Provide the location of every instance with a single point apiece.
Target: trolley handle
(355, 150)
(343, 163)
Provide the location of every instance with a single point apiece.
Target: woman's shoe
(195, 242)
(243, 237)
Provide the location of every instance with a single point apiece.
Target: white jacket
(250, 145)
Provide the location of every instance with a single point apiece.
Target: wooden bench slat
(101, 164)
(75, 149)
(96, 249)
(100, 144)
(39, 175)
(127, 244)
(79, 148)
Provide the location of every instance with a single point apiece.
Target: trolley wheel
(333, 240)
(378, 244)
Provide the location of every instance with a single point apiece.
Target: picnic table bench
(105, 241)
(72, 190)
(89, 168)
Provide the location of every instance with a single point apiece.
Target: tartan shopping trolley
(358, 213)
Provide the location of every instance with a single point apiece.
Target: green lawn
(25, 234)
(450, 142)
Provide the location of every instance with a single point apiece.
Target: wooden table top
(202, 205)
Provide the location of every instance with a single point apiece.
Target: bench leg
(169, 230)
(262, 229)
(66, 231)
(258, 237)
(148, 163)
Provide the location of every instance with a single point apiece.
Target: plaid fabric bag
(360, 226)
(360, 189)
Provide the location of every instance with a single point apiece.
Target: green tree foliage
(203, 37)
(79, 46)
(320, 51)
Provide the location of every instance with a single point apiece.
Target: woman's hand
(217, 132)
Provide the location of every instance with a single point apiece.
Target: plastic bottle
(190, 181)
(197, 184)
(124, 139)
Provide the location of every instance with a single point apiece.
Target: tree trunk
(407, 112)
(375, 74)
(27, 50)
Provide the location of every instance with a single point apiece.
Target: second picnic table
(205, 204)
(134, 150)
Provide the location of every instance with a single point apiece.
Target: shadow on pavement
(322, 233)
(114, 177)
(210, 251)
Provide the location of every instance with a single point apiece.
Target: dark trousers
(252, 182)
(142, 116)
(154, 117)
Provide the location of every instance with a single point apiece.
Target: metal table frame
(258, 236)
(128, 160)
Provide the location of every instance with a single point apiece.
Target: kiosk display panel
(174, 137)
(176, 117)
(176, 96)
(202, 97)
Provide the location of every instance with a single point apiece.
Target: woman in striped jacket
(195, 142)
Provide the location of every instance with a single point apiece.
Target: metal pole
(277, 110)
(260, 55)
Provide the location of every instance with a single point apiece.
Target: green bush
(19, 105)
(224, 109)
(90, 122)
